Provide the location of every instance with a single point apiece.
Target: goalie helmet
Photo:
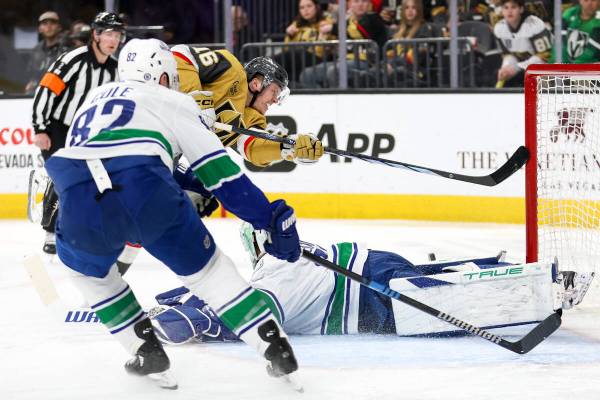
(145, 60)
(253, 241)
(271, 73)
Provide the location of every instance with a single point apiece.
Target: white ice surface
(41, 358)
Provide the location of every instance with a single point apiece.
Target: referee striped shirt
(64, 86)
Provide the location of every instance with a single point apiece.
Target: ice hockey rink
(42, 358)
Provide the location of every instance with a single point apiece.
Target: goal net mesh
(568, 173)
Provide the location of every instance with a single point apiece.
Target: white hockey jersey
(310, 298)
(530, 43)
(132, 118)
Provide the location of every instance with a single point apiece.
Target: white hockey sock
(114, 303)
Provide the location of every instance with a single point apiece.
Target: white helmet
(145, 60)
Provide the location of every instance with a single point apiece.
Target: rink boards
(470, 134)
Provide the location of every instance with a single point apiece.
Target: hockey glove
(307, 149)
(205, 102)
(204, 205)
(180, 324)
(204, 202)
(283, 241)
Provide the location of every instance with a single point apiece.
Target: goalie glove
(307, 149)
(204, 99)
(181, 323)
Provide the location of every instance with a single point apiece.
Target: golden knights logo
(576, 42)
(570, 125)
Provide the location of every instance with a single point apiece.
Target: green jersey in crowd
(581, 44)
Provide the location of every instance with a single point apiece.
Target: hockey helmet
(108, 21)
(145, 60)
(271, 73)
(253, 241)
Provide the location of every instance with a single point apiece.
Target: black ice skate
(49, 243)
(282, 362)
(151, 360)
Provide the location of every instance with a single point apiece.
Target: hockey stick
(526, 344)
(514, 163)
(45, 288)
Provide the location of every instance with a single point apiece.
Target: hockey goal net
(562, 127)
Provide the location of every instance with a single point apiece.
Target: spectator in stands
(436, 11)
(241, 25)
(474, 10)
(305, 28)
(524, 40)
(361, 23)
(47, 50)
(412, 21)
(79, 34)
(581, 44)
(412, 26)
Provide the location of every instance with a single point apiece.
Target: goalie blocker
(488, 292)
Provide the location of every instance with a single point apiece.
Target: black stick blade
(537, 335)
(514, 163)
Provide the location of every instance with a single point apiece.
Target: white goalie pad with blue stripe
(504, 296)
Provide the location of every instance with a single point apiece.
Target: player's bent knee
(217, 282)
(95, 289)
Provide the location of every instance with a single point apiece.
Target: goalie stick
(522, 346)
(514, 163)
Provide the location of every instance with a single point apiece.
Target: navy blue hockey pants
(145, 206)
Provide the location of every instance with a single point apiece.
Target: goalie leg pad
(495, 297)
(50, 208)
(38, 180)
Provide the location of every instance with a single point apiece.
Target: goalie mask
(145, 60)
(271, 72)
(253, 241)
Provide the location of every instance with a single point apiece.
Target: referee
(63, 89)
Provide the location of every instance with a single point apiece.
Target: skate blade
(293, 381)
(585, 281)
(164, 379)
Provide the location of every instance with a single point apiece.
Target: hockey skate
(50, 243)
(575, 285)
(151, 360)
(279, 354)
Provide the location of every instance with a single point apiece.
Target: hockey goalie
(310, 299)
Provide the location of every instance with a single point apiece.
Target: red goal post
(562, 176)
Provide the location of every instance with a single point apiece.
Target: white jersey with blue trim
(312, 299)
(134, 118)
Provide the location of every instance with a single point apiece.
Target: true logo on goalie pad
(496, 272)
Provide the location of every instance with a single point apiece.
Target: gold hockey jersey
(219, 71)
